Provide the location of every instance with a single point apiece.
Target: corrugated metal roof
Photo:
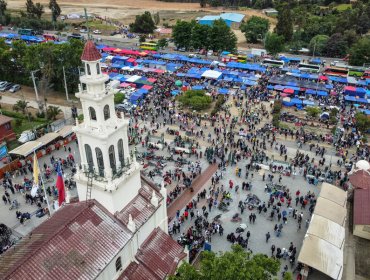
(137, 271)
(361, 207)
(232, 17)
(77, 242)
(160, 253)
(360, 180)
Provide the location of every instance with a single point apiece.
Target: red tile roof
(137, 271)
(5, 119)
(160, 253)
(360, 180)
(77, 242)
(90, 52)
(361, 207)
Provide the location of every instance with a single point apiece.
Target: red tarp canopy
(124, 85)
(323, 78)
(108, 49)
(131, 60)
(288, 90)
(152, 80)
(148, 87)
(350, 88)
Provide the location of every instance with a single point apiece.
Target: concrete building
(232, 19)
(118, 229)
(6, 131)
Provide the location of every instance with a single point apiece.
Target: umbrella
(178, 83)
(243, 226)
(288, 90)
(283, 95)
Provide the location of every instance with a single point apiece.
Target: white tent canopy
(133, 79)
(330, 210)
(27, 148)
(322, 255)
(211, 74)
(333, 193)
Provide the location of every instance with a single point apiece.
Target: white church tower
(109, 172)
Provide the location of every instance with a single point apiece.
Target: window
(7, 126)
(100, 161)
(121, 155)
(89, 157)
(112, 159)
(118, 264)
(106, 112)
(92, 114)
(88, 69)
(98, 68)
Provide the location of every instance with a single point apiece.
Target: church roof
(77, 242)
(360, 179)
(90, 52)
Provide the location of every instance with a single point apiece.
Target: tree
(3, 6)
(255, 28)
(20, 105)
(284, 26)
(5, 234)
(143, 24)
(360, 52)
(336, 46)
(55, 10)
(203, 3)
(162, 43)
(195, 99)
(288, 276)
(53, 112)
(362, 122)
(274, 43)
(222, 38)
(119, 97)
(313, 111)
(237, 264)
(142, 38)
(317, 44)
(200, 36)
(34, 10)
(181, 34)
(156, 18)
(30, 8)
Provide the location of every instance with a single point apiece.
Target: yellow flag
(36, 171)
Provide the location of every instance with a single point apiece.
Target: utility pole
(65, 83)
(87, 25)
(34, 84)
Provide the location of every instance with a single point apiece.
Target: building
(118, 229)
(360, 181)
(232, 19)
(163, 33)
(270, 12)
(6, 131)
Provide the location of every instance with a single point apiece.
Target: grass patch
(343, 7)
(26, 125)
(93, 25)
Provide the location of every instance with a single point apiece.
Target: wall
(362, 231)
(6, 133)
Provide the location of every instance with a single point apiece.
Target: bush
(220, 101)
(278, 105)
(313, 111)
(18, 122)
(40, 114)
(119, 97)
(195, 99)
(14, 115)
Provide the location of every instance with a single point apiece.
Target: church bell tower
(108, 173)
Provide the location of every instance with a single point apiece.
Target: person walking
(268, 236)
(272, 250)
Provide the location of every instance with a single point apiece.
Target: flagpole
(43, 185)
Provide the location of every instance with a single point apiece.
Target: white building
(118, 230)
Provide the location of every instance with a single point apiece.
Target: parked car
(83, 30)
(26, 136)
(2, 83)
(97, 31)
(6, 86)
(15, 88)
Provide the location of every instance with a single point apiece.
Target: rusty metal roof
(77, 242)
(137, 271)
(360, 179)
(361, 207)
(160, 253)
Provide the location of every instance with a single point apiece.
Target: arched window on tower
(98, 69)
(100, 161)
(118, 264)
(92, 114)
(106, 112)
(88, 69)
(121, 154)
(89, 157)
(112, 159)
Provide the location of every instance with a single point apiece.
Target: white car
(97, 31)
(83, 30)
(26, 136)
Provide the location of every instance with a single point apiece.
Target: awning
(211, 74)
(223, 91)
(333, 193)
(27, 148)
(331, 210)
(65, 131)
(48, 137)
(288, 90)
(322, 255)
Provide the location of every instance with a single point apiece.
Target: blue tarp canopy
(175, 92)
(249, 82)
(279, 87)
(350, 98)
(142, 91)
(296, 101)
(118, 77)
(361, 100)
(180, 74)
(112, 74)
(223, 91)
(99, 47)
(270, 87)
(310, 91)
(228, 79)
(366, 112)
(322, 93)
(246, 66)
(329, 86)
(308, 102)
(197, 87)
(316, 61)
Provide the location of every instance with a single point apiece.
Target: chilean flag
(60, 186)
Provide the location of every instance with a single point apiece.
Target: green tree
(156, 18)
(274, 43)
(55, 10)
(162, 43)
(362, 122)
(317, 44)
(195, 99)
(20, 106)
(200, 36)
(237, 264)
(143, 24)
(284, 26)
(142, 38)
(360, 52)
(203, 3)
(119, 97)
(34, 10)
(288, 276)
(255, 28)
(53, 112)
(3, 6)
(181, 34)
(336, 46)
(313, 111)
(222, 38)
